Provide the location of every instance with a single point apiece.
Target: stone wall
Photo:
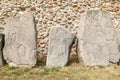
(56, 12)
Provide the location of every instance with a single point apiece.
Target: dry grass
(72, 72)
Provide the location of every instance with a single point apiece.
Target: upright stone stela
(2, 61)
(97, 38)
(60, 41)
(20, 41)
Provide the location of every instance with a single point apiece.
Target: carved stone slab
(98, 42)
(60, 41)
(20, 41)
(2, 61)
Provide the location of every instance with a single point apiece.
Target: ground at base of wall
(72, 72)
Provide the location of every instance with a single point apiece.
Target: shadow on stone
(73, 58)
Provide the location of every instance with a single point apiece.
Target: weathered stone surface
(98, 42)
(20, 41)
(60, 41)
(2, 61)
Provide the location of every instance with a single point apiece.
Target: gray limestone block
(20, 41)
(2, 61)
(97, 39)
(60, 41)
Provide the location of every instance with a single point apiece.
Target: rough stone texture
(98, 42)
(60, 41)
(20, 41)
(2, 61)
(51, 12)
